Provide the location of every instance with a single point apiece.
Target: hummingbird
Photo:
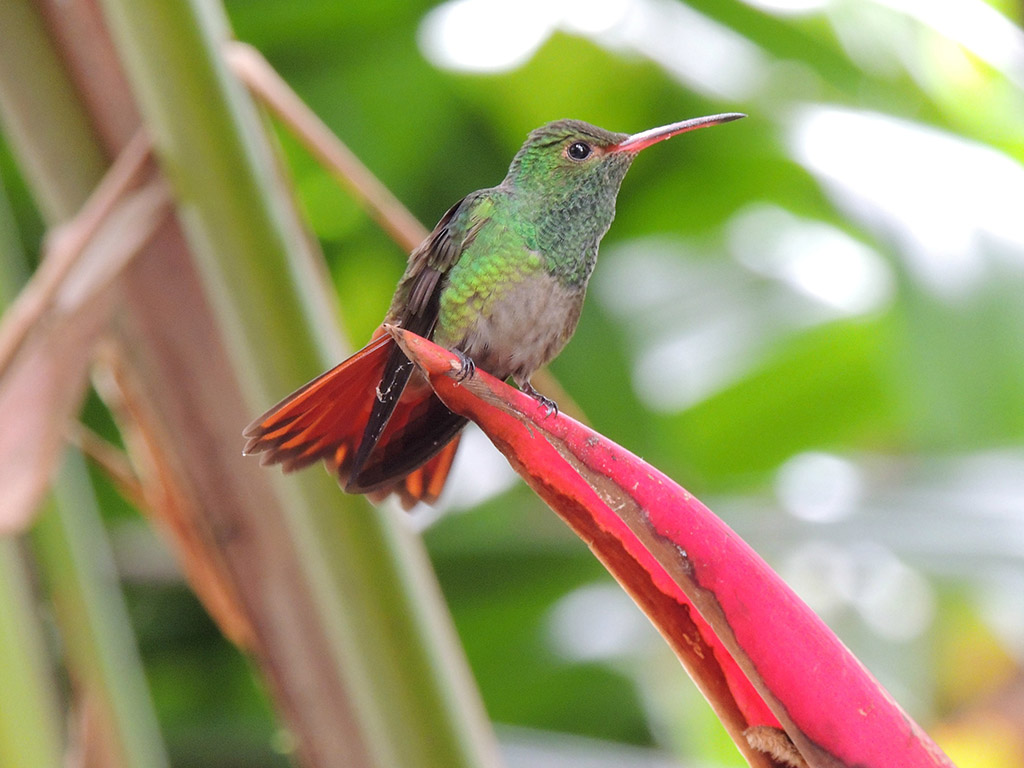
(500, 281)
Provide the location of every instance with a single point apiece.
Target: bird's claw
(466, 369)
(550, 406)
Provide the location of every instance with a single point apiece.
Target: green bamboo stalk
(239, 219)
(14, 270)
(30, 723)
(31, 734)
(390, 633)
(64, 147)
(38, 109)
(102, 655)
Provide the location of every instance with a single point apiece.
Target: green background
(872, 454)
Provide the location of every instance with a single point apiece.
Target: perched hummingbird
(500, 281)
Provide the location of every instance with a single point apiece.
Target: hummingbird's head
(560, 158)
(569, 157)
(564, 181)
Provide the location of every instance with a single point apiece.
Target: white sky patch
(478, 474)
(895, 600)
(1001, 597)
(500, 35)
(823, 574)
(789, 7)
(596, 622)
(972, 24)
(698, 322)
(819, 487)
(706, 56)
(949, 203)
(679, 370)
(485, 35)
(812, 257)
(592, 17)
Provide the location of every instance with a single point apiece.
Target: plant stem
(73, 556)
(30, 725)
(389, 636)
(102, 654)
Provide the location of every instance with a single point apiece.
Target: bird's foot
(466, 367)
(550, 405)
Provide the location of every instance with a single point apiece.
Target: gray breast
(526, 328)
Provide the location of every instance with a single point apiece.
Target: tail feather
(390, 392)
(323, 419)
(423, 484)
(419, 429)
(327, 420)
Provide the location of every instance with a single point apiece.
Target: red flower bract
(778, 678)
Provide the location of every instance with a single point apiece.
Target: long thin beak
(644, 139)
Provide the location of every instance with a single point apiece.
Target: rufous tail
(327, 420)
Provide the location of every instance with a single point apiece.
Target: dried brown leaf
(48, 338)
(39, 393)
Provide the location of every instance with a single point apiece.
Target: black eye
(579, 150)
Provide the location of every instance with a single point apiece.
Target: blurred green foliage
(918, 376)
